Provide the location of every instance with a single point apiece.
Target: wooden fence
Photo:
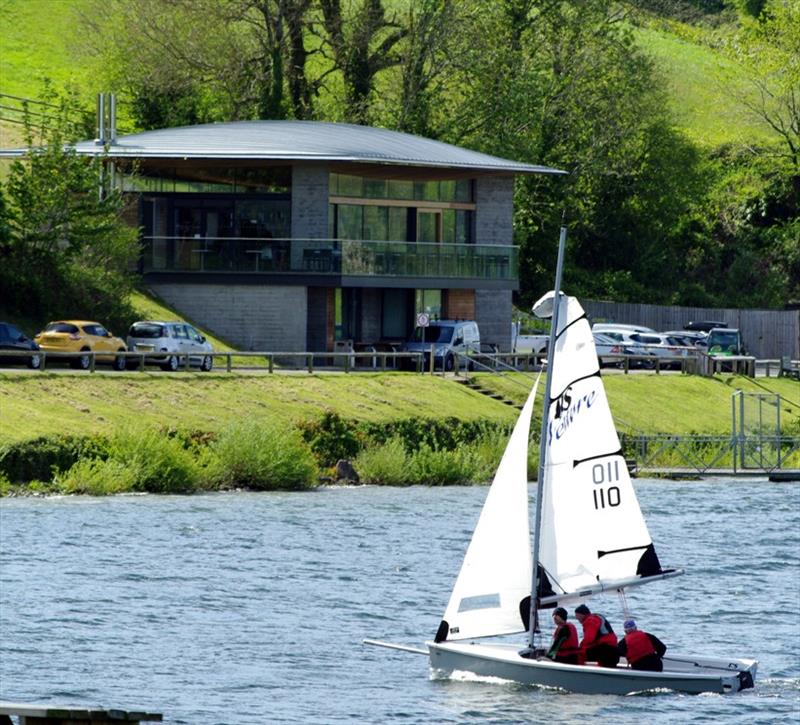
(766, 333)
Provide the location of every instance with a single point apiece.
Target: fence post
(141, 363)
(270, 363)
(228, 362)
(92, 362)
(346, 362)
(43, 362)
(310, 364)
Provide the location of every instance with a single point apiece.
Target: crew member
(565, 647)
(599, 643)
(642, 650)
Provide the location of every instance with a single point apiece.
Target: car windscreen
(147, 330)
(723, 339)
(433, 333)
(61, 327)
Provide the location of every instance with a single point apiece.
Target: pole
(551, 348)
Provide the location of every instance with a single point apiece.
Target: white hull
(683, 674)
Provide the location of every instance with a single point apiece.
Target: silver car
(167, 344)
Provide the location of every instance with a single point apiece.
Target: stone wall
(494, 213)
(493, 315)
(251, 317)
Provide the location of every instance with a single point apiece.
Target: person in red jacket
(599, 643)
(565, 647)
(642, 650)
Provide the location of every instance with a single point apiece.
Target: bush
(157, 463)
(37, 459)
(330, 438)
(97, 477)
(385, 463)
(261, 456)
(438, 467)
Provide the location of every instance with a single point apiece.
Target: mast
(551, 348)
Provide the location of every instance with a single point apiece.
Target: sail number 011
(606, 473)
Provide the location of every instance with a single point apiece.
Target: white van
(448, 338)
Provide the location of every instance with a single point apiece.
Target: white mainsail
(495, 578)
(593, 534)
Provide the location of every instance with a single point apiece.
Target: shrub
(97, 477)
(37, 459)
(439, 467)
(487, 452)
(330, 438)
(158, 463)
(261, 456)
(385, 463)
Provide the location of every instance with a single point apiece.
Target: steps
(472, 385)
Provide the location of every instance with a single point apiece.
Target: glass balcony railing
(330, 257)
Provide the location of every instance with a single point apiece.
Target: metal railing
(328, 257)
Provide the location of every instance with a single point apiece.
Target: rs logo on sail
(567, 411)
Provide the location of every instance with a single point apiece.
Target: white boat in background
(589, 537)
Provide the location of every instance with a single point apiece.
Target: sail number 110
(606, 473)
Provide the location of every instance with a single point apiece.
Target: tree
(67, 251)
(360, 47)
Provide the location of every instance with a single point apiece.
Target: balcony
(332, 258)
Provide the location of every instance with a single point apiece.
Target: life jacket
(597, 630)
(570, 645)
(638, 645)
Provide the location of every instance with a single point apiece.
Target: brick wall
(251, 317)
(494, 215)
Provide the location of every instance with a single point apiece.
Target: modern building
(292, 235)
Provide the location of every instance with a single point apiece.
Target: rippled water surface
(250, 608)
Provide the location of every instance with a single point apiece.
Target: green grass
(651, 403)
(50, 403)
(703, 88)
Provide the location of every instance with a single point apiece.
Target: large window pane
(263, 218)
(401, 189)
(350, 221)
(376, 226)
(351, 185)
(398, 224)
(429, 301)
(463, 233)
(448, 226)
(375, 188)
(464, 190)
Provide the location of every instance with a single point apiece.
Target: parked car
(166, 342)
(606, 327)
(703, 325)
(688, 337)
(83, 336)
(447, 337)
(609, 350)
(12, 338)
(659, 345)
(725, 341)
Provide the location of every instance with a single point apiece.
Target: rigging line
(601, 554)
(555, 398)
(576, 463)
(624, 601)
(567, 326)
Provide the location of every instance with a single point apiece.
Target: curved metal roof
(305, 141)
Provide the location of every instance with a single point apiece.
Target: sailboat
(590, 537)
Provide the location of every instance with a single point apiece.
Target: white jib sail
(592, 528)
(496, 574)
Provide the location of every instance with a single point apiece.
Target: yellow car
(82, 336)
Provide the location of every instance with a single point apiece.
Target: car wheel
(171, 365)
(35, 362)
(119, 362)
(208, 363)
(649, 365)
(449, 364)
(83, 362)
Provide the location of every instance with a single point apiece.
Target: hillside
(66, 403)
(41, 39)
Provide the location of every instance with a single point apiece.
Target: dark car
(12, 338)
(704, 325)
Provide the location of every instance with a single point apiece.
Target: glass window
(464, 190)
(180, 332)
(433, 333)
(401, 189)
(350, 185)
(376, 223)
(426, 190)
(61, 327)
(463, 232)
(449, 226)
(350, 218)
(375, 188)
(150, 330)
(430, 301)
(398, 224)
(263, 218)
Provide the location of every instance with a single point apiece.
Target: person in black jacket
(642, 650)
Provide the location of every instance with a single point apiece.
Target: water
(250, 607)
